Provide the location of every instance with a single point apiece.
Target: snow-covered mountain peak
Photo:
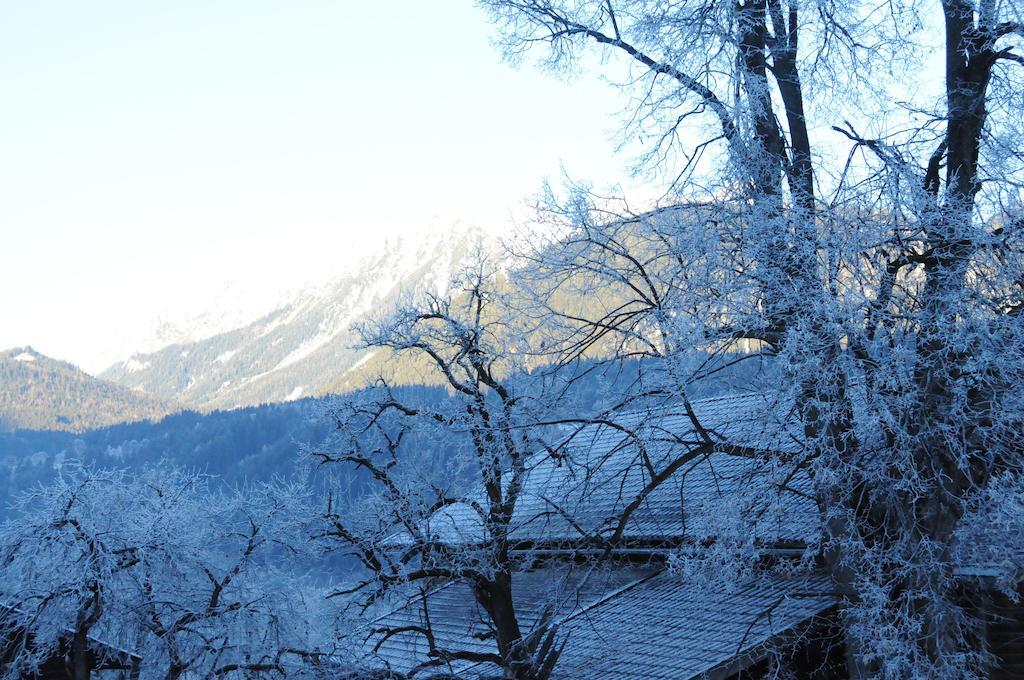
(240, 354)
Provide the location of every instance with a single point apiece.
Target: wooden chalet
(103, 661)
(630, 614)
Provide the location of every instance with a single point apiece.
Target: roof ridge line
(608, 596)
(701, 400)
(420, 596)
(640, 411)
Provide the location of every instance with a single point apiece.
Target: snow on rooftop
(662, 627)
(602, 471)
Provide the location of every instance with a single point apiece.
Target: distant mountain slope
(262, 442)
(238, 446)
(304, 345)
(41, 393)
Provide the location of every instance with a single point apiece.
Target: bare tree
(890, 303)
(161, 565)
(491, 429)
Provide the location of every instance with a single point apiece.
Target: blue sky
(151, 151)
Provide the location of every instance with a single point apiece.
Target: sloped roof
(630, 621)
(626, 622)
(457, 622)
(664, 629)
(580, 495)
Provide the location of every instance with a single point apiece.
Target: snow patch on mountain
(323, 336)
(133, 365)
(362, 360)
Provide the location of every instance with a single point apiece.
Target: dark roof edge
(745, 659)
(641, 545)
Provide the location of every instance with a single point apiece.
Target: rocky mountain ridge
(302, 347)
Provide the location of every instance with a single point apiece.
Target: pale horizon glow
(151, 153)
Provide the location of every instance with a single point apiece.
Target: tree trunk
(495, 596)
(88, 614)
(81, 668)
(951, 239)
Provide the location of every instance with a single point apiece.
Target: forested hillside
(40, 393)
(246, 444)
(256, 443)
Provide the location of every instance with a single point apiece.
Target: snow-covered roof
(624, 622)
(458, 623)
(581, 495)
